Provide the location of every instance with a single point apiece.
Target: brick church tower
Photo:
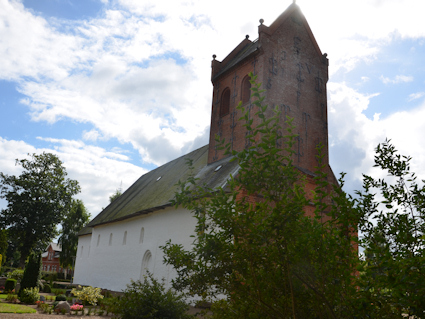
(294, 73)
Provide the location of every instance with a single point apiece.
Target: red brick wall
(52, 263)
(294, 74)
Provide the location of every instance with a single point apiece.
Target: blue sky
(117, 87)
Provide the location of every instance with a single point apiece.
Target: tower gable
(288, 62)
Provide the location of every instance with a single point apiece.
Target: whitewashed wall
(112, 265)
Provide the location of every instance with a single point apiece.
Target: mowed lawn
(13, 308)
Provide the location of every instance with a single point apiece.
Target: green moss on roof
(155, 190)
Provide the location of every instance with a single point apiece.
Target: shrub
(45, 307)
(32, 273)
(10, 284)
(60, 298)
(29, 295)
(57, 291)
(16, 274)
(150, 299)
(11, 297)
(88, 295)
(47, 288)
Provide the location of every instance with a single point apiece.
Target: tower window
(225, 102)
(246, 89)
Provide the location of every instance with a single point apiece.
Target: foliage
(10, 284)
(88, 294)
(37, 201)
(46, 308)
(47, 288)
(58, 291)
(60, 298)
(254, 241)
(32, 272)
(73, 222)
(29, 295)
(11, 308)
(393, 228)
(16, 274)
(115, 195)
(150, 299)
(11, 296)
(3, 246)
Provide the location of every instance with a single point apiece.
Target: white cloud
(415, 96)
(353, 136)
(397, 79)
(99, 172)
(140, 73)
(92, 135)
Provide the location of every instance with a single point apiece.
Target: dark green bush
(10, 284)
(47, 288)
(32, 272)
(150, 299)
(60, 298)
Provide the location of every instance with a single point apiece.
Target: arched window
(124, 240)
(142, 234)
(246, 90)
(225, 102)
(110, 239)
(146, 261)
(98, 240)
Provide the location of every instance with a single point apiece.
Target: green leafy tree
(393, 228)
(115, 195)
(73, 222)
(32, 272)
(3, 246)
(254, 242)
(37, 201)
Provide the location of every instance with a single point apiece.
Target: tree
(74, 221)
(37, 201)
(32, 272)
(3, 246)
(115, 195)
(255, 244)
(393, 228)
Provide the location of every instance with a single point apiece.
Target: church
(123, 241)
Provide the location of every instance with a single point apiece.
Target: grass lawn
(14, 308)
(3, 296)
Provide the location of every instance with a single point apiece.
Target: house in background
(124, 240)
(50, 259)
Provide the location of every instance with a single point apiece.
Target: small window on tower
(246, 89)
(225, 102)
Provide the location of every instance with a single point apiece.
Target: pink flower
(76, 307)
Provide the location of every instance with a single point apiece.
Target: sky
(117, 87)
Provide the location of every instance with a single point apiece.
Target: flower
(76, 307)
